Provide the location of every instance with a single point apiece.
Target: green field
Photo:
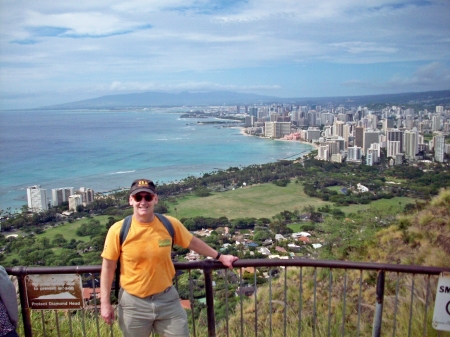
(336, 188)
(391, 206)
(258, 201)
(68, 230)
(265, 201)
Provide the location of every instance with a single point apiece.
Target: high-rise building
(411, 144)
(312, 134)
(354, 154)
(394, 135)
(338, 128)
(436, 123)
(312, 117)
(253, 111)
(87, 195)
(373, 121)
(439, 147)
(327, 131)
(249, 120)
(370, 137)
(75, 201)
(346, 134)
(326, 118)
(393, 148)
(359, 136)
(37, 198)
(323, 152)
(60, 195)
(277, 129)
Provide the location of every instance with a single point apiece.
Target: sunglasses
(139, 197)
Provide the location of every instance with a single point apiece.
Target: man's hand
(227, 260)
(107, 312)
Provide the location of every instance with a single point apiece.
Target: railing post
(377, 319)
(26, 316)
(207, 270)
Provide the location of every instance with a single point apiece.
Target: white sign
(441, 317)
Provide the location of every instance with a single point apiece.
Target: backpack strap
(123, 234)
(166, 222)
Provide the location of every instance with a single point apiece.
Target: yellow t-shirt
(146, 267)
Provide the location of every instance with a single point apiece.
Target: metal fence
(262, 297)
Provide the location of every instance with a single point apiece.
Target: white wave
(122, 172)
(162, 139)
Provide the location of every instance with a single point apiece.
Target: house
(192, 256)
(361, 188)
(89, 294)
(300, 234)
(303, 239)
(280, 249)
(250, 270)
(294, 247)
(186, 304)
(279, 237)
(252, 244)
(264, 251)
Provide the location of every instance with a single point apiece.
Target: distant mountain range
(161, 99)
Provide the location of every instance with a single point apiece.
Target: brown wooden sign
(64, 291)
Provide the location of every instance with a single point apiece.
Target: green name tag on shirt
(165, 243)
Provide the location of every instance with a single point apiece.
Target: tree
(111, 221)
(261, 235)
(59, 240)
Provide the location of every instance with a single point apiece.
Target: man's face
(143, 205)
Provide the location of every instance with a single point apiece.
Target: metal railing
(295, 297)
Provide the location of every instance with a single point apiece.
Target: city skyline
(53, 53)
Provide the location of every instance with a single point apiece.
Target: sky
(54, 52)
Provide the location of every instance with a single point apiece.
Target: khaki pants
(160, 313)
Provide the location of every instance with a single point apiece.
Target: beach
(314, 145)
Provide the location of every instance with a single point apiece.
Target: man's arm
(202, 248)
(8, 296)
(106, 279)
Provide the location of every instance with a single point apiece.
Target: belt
(161, 293)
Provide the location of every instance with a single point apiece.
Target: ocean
(106, 150)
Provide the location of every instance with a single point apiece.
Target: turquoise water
(104, 150)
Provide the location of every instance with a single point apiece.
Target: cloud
(287, 46)
(363, 47)
(118, 86)
(431, 76)
(76, 25)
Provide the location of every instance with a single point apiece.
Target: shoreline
(123, 167)
(314, 146)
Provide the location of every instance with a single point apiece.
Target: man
(147, 300)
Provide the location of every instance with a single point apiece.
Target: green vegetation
(262, 200)
(237, 197)
(418, 238)
(276, 198)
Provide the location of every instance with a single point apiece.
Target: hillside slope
(419, 238)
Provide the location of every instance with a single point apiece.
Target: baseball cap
(142, 185)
